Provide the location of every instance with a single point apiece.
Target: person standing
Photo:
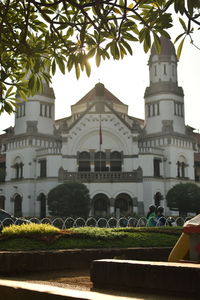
(151, 216)
(160, 219)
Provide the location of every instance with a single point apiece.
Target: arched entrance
(42, 199)
(2, 202)
(123, 205)
(17, 206)
(100, 205)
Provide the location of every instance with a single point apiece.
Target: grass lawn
(46, 237)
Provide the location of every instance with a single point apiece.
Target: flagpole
(100, 140)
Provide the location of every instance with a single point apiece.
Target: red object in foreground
(198, 248)
(191, 229)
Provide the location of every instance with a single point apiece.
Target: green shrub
(45, 236)
(30, 229)
(99, 233)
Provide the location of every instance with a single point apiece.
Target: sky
(127, 80)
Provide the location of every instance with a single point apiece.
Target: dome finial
(99, 89)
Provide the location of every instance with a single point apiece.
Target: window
(18, 206)
(42, 199)
(156, 167)
(46, 110)
(21, 111)
(101, 204)
(181, 167)
(153, 109)
(123, 204)
(18, 167)
(149, 110)
(84, 161)
(2, 171)
(155, 70)
(173, 70)
(43, 168)
(164, 69)
(178, 109)
(2, 202)
(115, 161)
(158, 109)
(100, 162)
(41, 107)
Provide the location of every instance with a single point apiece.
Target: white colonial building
(126, 163)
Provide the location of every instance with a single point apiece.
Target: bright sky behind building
(127, 80)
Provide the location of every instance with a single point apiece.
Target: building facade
(126, 163)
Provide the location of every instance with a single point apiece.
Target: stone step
(146, 276)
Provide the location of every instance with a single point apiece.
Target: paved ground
(80, 281)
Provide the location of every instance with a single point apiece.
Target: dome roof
(167, 47)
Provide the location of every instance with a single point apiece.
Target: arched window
(42, 199)
(181, 167)
(84, 161)
(123, 205)
(18, 167)
(100, 161)
(100, 205)
(2, 202)
(61, 174)
(116, 161)
(18, 206)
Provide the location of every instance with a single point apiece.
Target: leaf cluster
(39, 37)
(184, 197)
(69, 199)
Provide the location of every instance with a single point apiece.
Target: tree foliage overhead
(37, 37)
(184, 197)
(69, 200)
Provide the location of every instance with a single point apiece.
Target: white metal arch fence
(69, 222)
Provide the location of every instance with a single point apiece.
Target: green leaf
(98, 58)
(22, 95)
(61, 64)
(148, 38)
(32, 83)
(145, 46)
(183, 24)
(179, 50)
(9, 91)
(157, 43)
(129, 37)
(127, 46)
(88, 68)
(91, 53)
(77, 69)
(70, 63)
(117, 11)
(142, 34)
(178, 37)
(53, 67)
(122, 50)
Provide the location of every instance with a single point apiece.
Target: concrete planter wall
(27, 261)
